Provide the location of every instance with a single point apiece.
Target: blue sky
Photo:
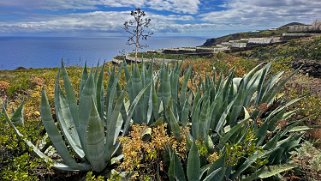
(169, 17)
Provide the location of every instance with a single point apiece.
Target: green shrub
(308, 158)
(16, 162)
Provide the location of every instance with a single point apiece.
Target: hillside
(256, 34)
(304, 53)
(290, 24)
(18, 161)
(235, 36)
(305, 48)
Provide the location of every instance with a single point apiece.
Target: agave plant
(220, 121)
(89, 128)
(193, 170)
(221, 114)
(165, 87)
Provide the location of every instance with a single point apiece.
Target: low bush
(16, 159)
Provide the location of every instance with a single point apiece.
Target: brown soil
(303, 83)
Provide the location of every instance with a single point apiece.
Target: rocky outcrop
(311, 67)
(20, 68)
(226, 38)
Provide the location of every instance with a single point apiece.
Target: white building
(238, 45)
(260, 40)
(226, 43)
(221, 49)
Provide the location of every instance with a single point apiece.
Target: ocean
(43, 52)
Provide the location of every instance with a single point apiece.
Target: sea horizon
(48, 51)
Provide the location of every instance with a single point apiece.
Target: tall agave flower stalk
(89, 128)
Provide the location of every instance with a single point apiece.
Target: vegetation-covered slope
(244, 154)
(256, 34)
(306, 48)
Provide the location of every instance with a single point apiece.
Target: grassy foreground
(18, 161)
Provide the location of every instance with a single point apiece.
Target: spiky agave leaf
(40, 154)
(17, 117)
(95, 140)
(175, 170)
(193, 163)
(54, 134)
(66, 119)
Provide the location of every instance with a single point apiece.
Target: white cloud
(97, 21)
(262, 13)
(183, 16)
(121, 3)
(178, 6)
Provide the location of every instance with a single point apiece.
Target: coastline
(43, 52)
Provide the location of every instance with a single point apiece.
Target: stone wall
(311, 67)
